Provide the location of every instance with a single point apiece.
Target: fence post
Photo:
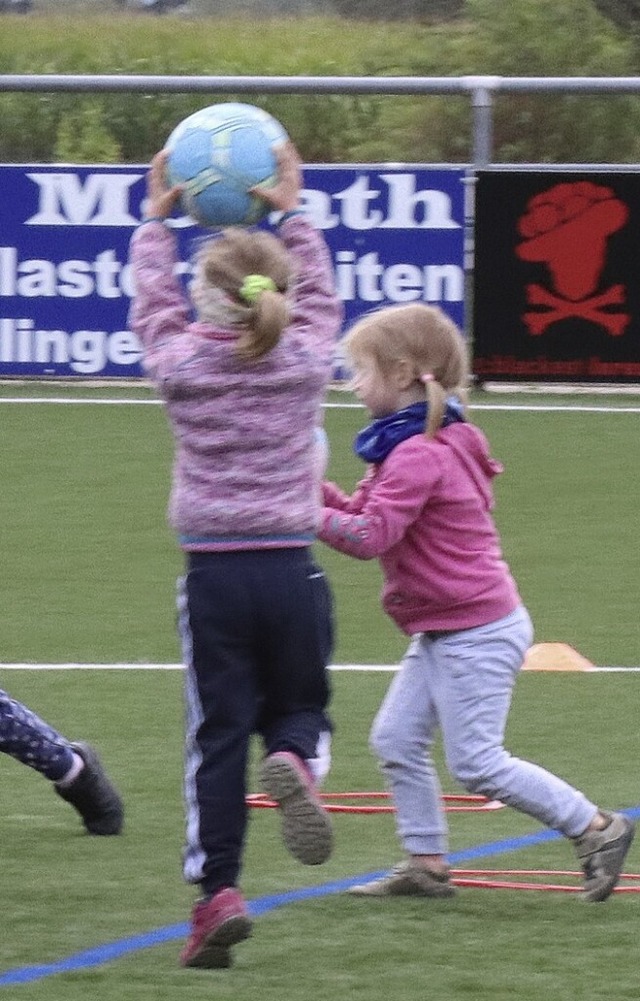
(482, 107)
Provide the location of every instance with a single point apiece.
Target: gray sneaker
(407, 880)
(306, 825)
(602, 855)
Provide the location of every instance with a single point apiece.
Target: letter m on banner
(98, 200)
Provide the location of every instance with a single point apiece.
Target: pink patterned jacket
(244, 472)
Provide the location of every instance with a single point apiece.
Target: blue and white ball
(220, 152)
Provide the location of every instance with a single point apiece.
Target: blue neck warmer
(374, 442)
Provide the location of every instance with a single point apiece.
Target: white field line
(179, 667)
(97, 401)
(542, 408)
(164, 667)
(556, 409)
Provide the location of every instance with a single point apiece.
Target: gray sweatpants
(461, 683)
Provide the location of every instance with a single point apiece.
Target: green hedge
(521, 37)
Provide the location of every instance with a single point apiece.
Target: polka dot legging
(26, 737)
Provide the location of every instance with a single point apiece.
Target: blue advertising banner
(396, 234)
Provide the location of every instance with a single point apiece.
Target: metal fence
(587, 315)
(481, 90)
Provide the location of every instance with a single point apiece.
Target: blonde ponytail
(436, 405)
(241, 281)
(268, 317)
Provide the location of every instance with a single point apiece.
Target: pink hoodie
(425, 512)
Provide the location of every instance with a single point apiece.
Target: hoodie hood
(472, 450)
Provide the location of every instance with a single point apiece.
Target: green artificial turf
(85, 540)
(64, 892)
(89, 569)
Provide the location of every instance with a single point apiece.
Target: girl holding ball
(243, 386)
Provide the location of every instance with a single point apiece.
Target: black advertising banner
(557, 276)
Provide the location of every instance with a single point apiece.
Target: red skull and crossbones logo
(567, 228)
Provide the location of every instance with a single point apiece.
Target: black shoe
(93, 796)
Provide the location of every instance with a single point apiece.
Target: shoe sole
(615, 857)
(214, 952)
(306, 827)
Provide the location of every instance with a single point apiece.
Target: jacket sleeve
(160, 311)
(316, 310)
(397, 493)
(333, 496)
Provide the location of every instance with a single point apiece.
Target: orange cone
(555, 657)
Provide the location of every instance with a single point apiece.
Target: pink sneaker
(216, 924)
(306, 827)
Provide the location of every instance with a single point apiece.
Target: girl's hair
(225, 263)
(425, 338)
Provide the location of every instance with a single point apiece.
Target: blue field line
(102, 954)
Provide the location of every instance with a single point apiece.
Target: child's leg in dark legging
(26, 737)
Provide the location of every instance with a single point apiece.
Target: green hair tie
(254, 285)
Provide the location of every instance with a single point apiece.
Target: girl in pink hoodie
(424, 510)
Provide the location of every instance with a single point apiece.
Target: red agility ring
(483, 879)
(453, 803)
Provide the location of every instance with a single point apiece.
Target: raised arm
(160, 310)
(316, 311)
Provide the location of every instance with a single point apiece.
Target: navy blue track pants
(257, 635)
